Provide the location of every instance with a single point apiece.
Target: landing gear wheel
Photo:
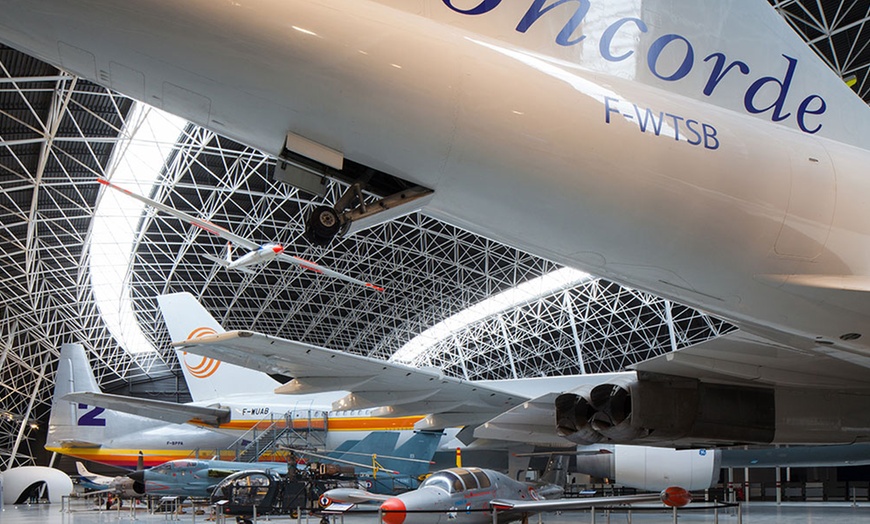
(323, 225)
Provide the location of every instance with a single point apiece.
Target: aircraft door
(811, 203)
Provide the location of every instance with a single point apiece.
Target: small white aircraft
(258, 254)
(92, 480)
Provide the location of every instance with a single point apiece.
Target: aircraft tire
(323, 225)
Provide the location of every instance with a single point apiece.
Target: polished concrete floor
(751, 513)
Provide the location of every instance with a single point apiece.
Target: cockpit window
(467, 478)
(481, 477)
(163, 469)
(445, 480)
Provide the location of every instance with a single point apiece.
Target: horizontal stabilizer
(155, 409)
(75, 444)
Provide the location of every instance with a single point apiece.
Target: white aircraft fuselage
(708, 156)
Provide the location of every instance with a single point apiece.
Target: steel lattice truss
(837, 31)
(58, 133)
(430, 269)
(595, 327)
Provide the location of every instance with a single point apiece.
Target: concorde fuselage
(694, 149)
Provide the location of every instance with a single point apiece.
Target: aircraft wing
(738, 357)
(317, 268)
(184, 217)
(742, 357)
(672, 497)
(397, 390)
(156, 409)
(532, 421)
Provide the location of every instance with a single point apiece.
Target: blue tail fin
(421, 446)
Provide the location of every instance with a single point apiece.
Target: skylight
(138, 159)
(524, 293)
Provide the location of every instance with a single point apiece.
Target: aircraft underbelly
(811, 205)
(587, 169)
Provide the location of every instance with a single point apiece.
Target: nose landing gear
(323, 225)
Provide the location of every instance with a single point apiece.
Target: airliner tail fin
(206, 377)
(71, 422)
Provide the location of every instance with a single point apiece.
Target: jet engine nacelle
(653, 469)
(128, 487)
(666, 410)
(573, 415)
(680, 412)
(591, 414)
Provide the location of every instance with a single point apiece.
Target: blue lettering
(717, 74)
(643, 121)
(689, 125)
(749, 99)
(677, 120)
(484, 7)
(610, 32)
(91, 418)
(721, 66)
(537, 10)
(608, 109)
(804, 108)
(710, 140)
(656, 49)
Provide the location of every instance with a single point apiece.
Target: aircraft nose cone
(676, 496)
(278, 249)
(393, 511)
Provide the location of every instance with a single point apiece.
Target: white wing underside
(396, 389)
(735, 358)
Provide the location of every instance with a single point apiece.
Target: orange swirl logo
(207, 366)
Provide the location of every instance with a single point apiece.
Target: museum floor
(752, 513)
